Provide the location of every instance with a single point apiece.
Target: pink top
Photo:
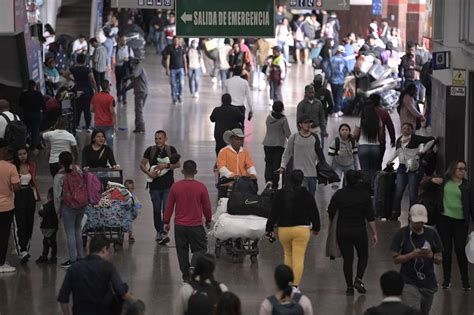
(408, 111)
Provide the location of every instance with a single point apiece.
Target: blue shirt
(339, 69)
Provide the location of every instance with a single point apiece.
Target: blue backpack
(291, 308)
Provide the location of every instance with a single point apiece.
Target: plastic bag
(239, 226)
(470, 248)
(221, 208)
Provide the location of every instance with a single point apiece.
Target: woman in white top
(284, 37)
(195, 68)
(286, 297)
(368, 132)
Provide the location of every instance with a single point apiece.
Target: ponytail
(284, 278)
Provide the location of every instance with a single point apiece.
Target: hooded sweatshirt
(314, 110)
(278, 130)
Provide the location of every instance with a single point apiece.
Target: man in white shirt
(59, 140)
(122, 56)
(5, 110)
(79, 46)
(239, 91)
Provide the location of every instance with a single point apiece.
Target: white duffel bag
(470, 248)
(239, 226)
(221, 208)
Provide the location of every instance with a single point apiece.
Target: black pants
(83, 105)
(24, 216)
(220, 144)
(6, 219)
(120, 74)
(50, 243)
(33, 123)
(272, 163)
(54, 168)
(347, 239)
(453, 231)
(99, 77)
(187, 237)
(242, 110)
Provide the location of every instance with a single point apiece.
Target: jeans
(194, 78)
(83, 104)
(33, 123)
(272, 163)
(348, 239)
(420, 299)
(109, 134)
(310, 184)
(337, 91)
(186, 238)
(140, 99)
(177, 84)
(286, 50)
(50, 243)
(412, 179)
(369, 157)
(453, 231)
(72, 227)
(158, 199)
(224, 75)
(25, 204)
(157, 40)
(341, 169)
(275, 91)
(294, 241)
(120, 74)
(6, 218)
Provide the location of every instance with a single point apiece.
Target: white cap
(418, 213)
(341, 49)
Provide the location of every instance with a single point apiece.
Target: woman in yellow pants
(295, 213)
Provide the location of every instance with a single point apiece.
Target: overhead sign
(245, 18)
(441, 60)
(143, 4)
(459, 77)
(329, 5)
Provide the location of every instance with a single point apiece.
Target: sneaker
(158, 237)
(52, 260)
(339, 114)
(165, 240)
(214, 80)
(196, 95)
(175, 103)
(66, 264)
(350, 292)
(139, 131)
(360, 286)
(466, 286)
(24, 257)
(446, 285)
(7, 268)
(42, 260)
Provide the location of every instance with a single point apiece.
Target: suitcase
(384, 190)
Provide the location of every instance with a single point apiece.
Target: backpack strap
(6, 118)
(152, 153)
(168, 150)
(273, 301)
(297, 297)
(337, 144)
(317, 148)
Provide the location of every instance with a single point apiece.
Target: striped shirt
(99, 59)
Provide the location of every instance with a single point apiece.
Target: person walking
(408, 109)
(195, 68)
(158, 163)
(387, 124)
(49, 229)
(454, 211)
(285, 295)
(122, 58)
(342, 153)
(223, 61)
(295, 212)
(139, 83)
(176, 68)
(99, 61)
(189, 200)
(274, 143)
(410, 171)
(105, 118)
(33, 104)
(276, 73)
(353, 206)
(239, 91)
(417, 248)
(323, 95)
(25, 202)
(312, 107)
(9, 183)
(226, 117)
(339, 69)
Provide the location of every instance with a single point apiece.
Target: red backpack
(75, 189)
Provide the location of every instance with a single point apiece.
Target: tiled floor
(152, 271)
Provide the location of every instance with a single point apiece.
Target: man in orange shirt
(234, 160)
(9, 182)
(103, 107)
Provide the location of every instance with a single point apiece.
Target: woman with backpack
(98, 154)
(201, 295)
(70, 200)
(25, 202)
(295, 212)
(286, 300)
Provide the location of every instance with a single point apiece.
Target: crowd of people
(356, 154)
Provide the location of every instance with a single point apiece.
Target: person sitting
(234, 160)
(98, 154)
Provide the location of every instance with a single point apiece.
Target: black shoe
(165, 240)
(138, 131)
(466, 286)
(41, 260)
(350, 292)
(66, 264)
(52, 260)
(360, 286)
(446, 285)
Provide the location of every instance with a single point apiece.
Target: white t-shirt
(78, 45)
(3, 122)
(60, 141)
(363, 137)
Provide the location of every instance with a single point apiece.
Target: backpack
(338, 144)
(204, 298)
(292, 308)
(15, 131)
(75, 190)
(94, 188)
(299, 36)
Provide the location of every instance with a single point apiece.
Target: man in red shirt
(103, 107)
(387, 123)
(190, 200)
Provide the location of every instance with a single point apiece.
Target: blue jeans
(72, 227)
(340, 169)
(286, 50)
(337, 91)
(369, 157)
(224, 75)
(275, 91)
(109, 134)
(310, 184)
(194, 78)
(158, 199)
(412, 179)
(177, 84)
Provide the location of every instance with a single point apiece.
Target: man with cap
(417, 248)
(312, 107)
(305, 149)
(276, 72)
(234, 160)
(323, 95)
(339, 71)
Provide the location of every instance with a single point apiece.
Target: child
(342, 153)
(49, 228)
(130, 185)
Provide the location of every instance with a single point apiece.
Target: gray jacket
(278, 131)
(314, 110)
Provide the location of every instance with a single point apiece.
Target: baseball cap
(276, 48)
(305, 118)
(418, 213)
(341, 49)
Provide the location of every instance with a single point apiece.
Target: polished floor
(152, 271)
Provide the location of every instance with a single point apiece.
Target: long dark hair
(16, 160)
(95, 133)
(295, 180)
(229, 304)
(204, 267)
(451, 170)
(65, 160)
(284, 278)
(370, 123)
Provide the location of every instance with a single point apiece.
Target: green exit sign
(224, 18)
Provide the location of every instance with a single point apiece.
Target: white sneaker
(340, 114)
(214, 80)
(196, 95)
(7, 268)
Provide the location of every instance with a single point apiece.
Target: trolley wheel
(253, 258)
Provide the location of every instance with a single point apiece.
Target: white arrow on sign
(186, 17)
(343, 4)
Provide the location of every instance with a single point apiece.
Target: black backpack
(292, 308)
(204, 299)
(15, 131)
